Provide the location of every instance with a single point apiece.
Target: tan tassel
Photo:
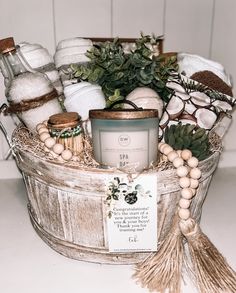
(211, 270)
(161, 271)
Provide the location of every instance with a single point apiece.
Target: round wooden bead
(167, 149)
(49, 142)
(42, 129)
(186, 154)
(161, 147)
(192, 162)
(43, 136)
(184, 203)
(184, 214)
(187, 193)
(193, 191)
(58, 148)
(178, 162)
(179, 152)
(66, 155)
(184, 182)
(40, 125)
(194, 183)
(172, 155)
(182, 171)
(195, 173)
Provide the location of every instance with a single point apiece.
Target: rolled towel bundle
(71, 51)
(33, 99)
(190, 64)
(82, 97)
(40, 60)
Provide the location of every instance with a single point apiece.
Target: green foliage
(188, 137)
(113, 69)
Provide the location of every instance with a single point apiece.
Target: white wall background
(204, 27)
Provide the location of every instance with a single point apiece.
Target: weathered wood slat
(66, 205)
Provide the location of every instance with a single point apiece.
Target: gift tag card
(132, 214)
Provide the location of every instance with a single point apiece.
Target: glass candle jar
(125, 138)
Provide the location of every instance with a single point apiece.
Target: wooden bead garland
(56, 150)
(188, 176)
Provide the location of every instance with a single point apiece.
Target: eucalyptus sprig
(116, 70)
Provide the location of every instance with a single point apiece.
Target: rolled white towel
(191, 64)
(72, 51)
(28, 86)
(83, 98)
(66, 58)
(71, 89)
(74, 42)
(36, 55)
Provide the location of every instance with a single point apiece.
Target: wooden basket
(66, 205)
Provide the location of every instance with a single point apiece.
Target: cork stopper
(7, 45)
(63, 120)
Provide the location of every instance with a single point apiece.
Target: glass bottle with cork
(30, 94)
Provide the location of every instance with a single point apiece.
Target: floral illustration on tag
(118, 189)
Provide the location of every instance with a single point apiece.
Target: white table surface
(28, 265)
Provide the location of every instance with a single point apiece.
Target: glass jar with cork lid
(66, 129)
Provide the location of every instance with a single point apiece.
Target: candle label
(131, 213)
(124, 148)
